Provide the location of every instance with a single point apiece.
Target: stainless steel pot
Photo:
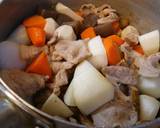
(14, 111)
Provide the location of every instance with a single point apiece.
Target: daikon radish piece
(90, 88)
(68, 97)
(55, 107)
(149, 107)
(50, 27)
(150, 42)
(99, 57)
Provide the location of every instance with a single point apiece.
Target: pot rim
(30, 109)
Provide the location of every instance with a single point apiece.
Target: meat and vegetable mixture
(88, 66)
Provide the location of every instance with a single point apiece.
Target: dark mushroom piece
(89, 21)
(104, 30)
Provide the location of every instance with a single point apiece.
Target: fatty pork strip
(115, 114)
(24, 84)
(149, 67)
(70, 53)
(120, 74)
(123, 110)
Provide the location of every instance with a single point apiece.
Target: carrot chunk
(116, 39)
(34, 21)
(112, 50)
(40, 66)
(88, 33)
(37, 36)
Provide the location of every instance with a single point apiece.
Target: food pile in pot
(87, 66)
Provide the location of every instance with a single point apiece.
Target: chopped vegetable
(95, 90)
(40, 66)
(50, 27)
(61, 8)
(35, 21)
(88, 33)
(149, 86)
(55, 107)
(65, 32)
(116, 39)
(37, 36)
(68, 97)
(138, 49)
(99, 58)
(149, 108)
(150, 42)
(112, 50)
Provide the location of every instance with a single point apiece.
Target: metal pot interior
(143, 14)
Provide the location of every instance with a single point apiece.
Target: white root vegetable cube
(90, 88)
(150, 42)
(99, 56)
(65, 32)
(149, 107)
(68, 97)
(55, 106)
(50, 27)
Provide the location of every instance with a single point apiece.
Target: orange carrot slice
(88, 33)
(138, 49)
(112, 50)
(116, 39)
(37, 36)
(35, 21)
(40, 66)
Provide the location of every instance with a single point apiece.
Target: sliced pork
(120, 74)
